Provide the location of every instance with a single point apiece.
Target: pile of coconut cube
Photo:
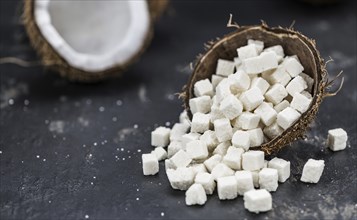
(248, 102)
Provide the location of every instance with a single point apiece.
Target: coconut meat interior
(93, 35)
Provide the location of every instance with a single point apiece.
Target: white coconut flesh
(93, 36)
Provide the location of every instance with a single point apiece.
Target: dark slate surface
(71, 151)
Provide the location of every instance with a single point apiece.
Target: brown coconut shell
(50, 58)
(294, 43)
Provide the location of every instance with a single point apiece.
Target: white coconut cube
(309, 81)
(203, 87)
(160, 137)
(337, 139)
(256, 137)
(224, 67)
(258, 201)
(255, 175)
(281, 106)
(221, 170)
(278, 75)
(174, 147)
(300, 103)
(267, 113)
(150, 164)
(231, 107)
(223, 89)
(287, 117)
(197, 149)
(278, 50)
(207, 181)
(247, 51)
(215, 113)
(259, 45)
(282, 166)
(181, 178)
(189, 137)
(169, 165)
(276, 94)
(222, 148)
(244, 181)
(272, 131)
(265, 61)
(160, 153)
(223, 129)
(312, 171)
(210, 139)
(241, 139)
(216, 79)
(211, 162)
(251, 98)
(248, 120)
(268, 179)
(181, 159)
(195, 195)
(296, 85)
(292, 66)
(261, 84)
(200, 122)
(200, 104)
(198, 168)
(178, 130)
(253, 160)
(227, 187)
(240, 81)
(233, 158)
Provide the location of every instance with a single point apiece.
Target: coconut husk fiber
(50, 58)
(294, 43)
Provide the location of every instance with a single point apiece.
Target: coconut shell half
(50, 56)
(294, 43)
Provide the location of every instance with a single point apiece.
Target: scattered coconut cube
(224, 67)
(276, 94)
(267, 113)
(312, 171)
(189, 137)
(268, 179)
(200, 122)
(207, 181)
(198, 168)
(178, 130)
(221, 170)
(241, 139)
(281, 106)
(223, 129)
(216, 79)
(227, 187)
(261, 84)
(174, 147)
(181, 178)
(244, 181)
(231, 107)
(181, 159)
(287, 117)
(211, 162)
(248, 120)
(215, 113)
(265, 61)
(300, 103)
(195, 195)
(160, 137)
(258, 200)
(296, 85)
(233, 158)
(337, 139)
(278, 75)
(251, 98)
(203, 88)
(200, 104)
(253, 160)
(197, 149)
(240, 81)
(169, 165)
(259, 45)
(160, 153)
(150, 164)
(256, 137)
(278, 50)
(255, 175)
(282, 166)
(272, 131)
(223, 89)
(247, 51)
(292, 66)
(309, 81)
(222, 148)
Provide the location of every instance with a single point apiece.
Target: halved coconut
(293, 43)
(90, 40)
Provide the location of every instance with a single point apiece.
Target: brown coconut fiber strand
(293, 43)
(50, 58)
